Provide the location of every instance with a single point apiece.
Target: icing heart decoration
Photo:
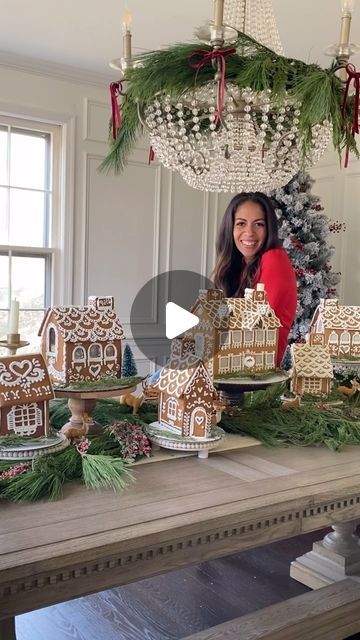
(199, 419)
(20, 369)
(95, 369)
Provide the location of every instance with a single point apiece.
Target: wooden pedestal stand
(332, 559)
(84, 402)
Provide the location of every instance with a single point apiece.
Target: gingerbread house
(235, 334)
(312, 371)
(338, 326)
(82, 343)
(25, 391)
(186, 404)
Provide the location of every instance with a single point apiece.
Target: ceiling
(86, 34)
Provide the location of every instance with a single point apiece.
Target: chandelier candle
(218, 13)
(127, 36)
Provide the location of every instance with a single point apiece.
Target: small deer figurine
(219, 407)
(350, 391)
(132, 401)
(74, 433)
(291, 403)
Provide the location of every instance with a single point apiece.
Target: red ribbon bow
(205, 58)
(353, 76)
(115, 92)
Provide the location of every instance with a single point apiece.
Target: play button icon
(178, 320)
(162, 310)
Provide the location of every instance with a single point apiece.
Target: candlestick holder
(13, 343)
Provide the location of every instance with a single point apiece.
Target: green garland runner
(104, 460)
(167, 71)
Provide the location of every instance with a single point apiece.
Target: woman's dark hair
(232, 274)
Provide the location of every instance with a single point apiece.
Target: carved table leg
(331, 559)
(7, 629)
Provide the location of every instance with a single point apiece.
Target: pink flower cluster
(131, 438)
(14, 471)
(83, 446)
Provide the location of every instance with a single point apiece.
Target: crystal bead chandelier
(254, 143)
(234, 115)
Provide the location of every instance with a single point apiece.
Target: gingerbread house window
(248, 337)
(236, 363)
(51, 341)
(199, 345)
(237, 338)
(345, 337)
(259, 359)
(224, 364)
(333, 338)
(24, 419)
(95, 353)
(259, 336)
(172, 408)
(356, 338)
(79, 354)
(225, 338)
(319, 326)
(270, 359)
(110, 352)
(271, 336)
(311, 385)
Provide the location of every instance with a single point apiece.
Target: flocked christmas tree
(128, 368)
(304, 230)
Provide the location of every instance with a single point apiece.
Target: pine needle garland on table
(104, 460)
(313, 423)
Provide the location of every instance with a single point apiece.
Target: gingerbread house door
(198, 422)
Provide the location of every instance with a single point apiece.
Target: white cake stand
(33, 449)
(162, 437)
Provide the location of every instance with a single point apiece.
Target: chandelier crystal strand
(256, 18)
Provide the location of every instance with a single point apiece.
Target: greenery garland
(104, 460)
(167, 71)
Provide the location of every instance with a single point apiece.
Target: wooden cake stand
(232, 389)
(83, 403)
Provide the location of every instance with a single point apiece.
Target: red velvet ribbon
(353, 76)
(115, 92)
(151, 154)
(205, 58)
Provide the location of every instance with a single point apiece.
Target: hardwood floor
(175, 605)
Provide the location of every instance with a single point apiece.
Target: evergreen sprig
(105, 472)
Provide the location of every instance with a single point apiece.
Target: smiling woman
(248, 251)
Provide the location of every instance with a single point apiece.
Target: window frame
(59, 253)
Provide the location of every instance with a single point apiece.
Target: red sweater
(277, 274)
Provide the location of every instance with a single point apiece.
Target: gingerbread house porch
(187, 395)
(82, 343)
(25, 391)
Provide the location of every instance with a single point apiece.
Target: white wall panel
(96, 120)
(123, 234)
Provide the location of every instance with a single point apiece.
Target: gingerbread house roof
(24, 379)
(235, 313)
(311, 361)
(85, 323)
(337, 316)
(180, 373)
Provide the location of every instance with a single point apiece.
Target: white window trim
(63, 191)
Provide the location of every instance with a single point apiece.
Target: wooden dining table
(178, 512)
